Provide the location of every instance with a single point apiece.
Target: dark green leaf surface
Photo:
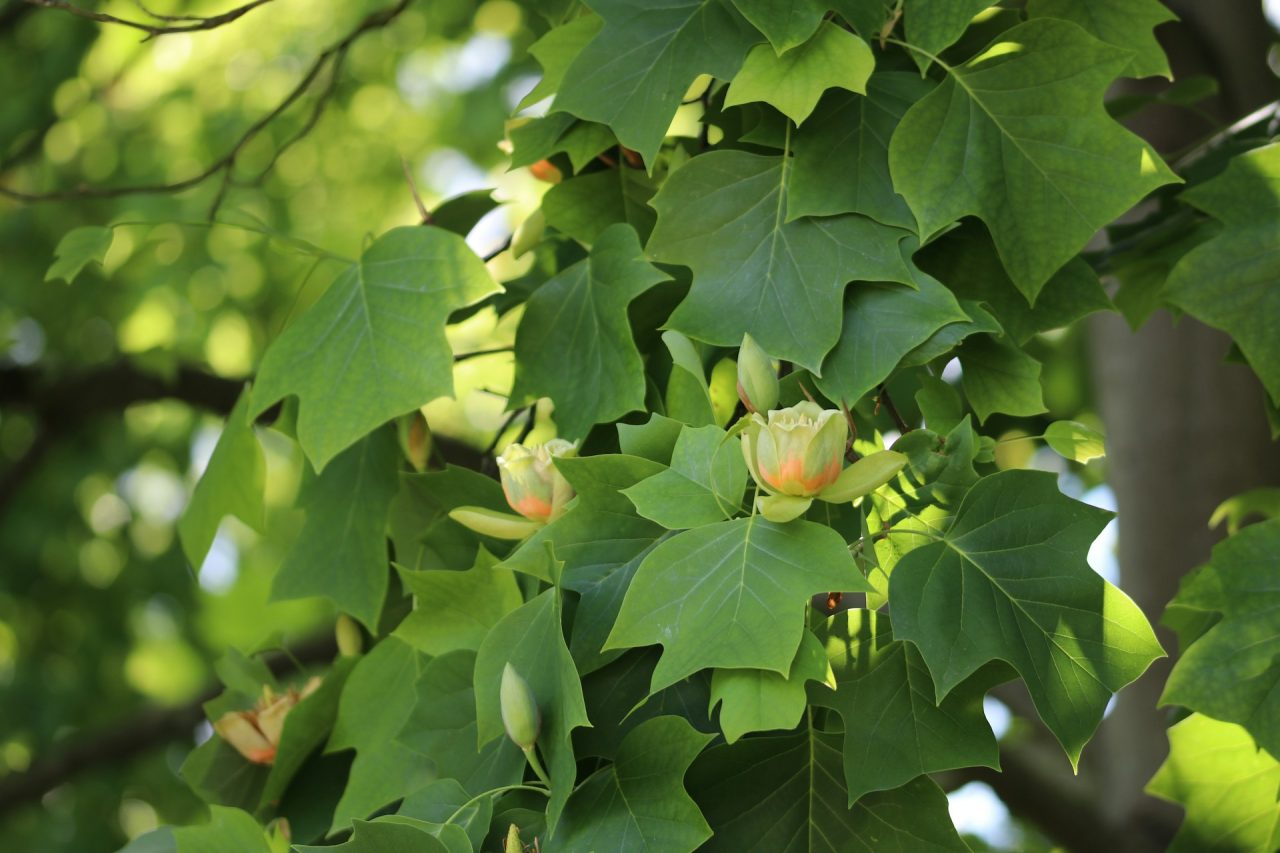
(786, 25)
(227, 829)
(385, 835)
(455, 610)
(1127, 24)
(935, 25)
(703, 485)
(999, 377)
(586, 206)
(756, 700)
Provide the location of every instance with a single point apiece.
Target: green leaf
(77, 249)
(945, 339)
(731, 595)
(441, 728)
(1227, 785)
(655, 439)
(1008, 580)
(1230, 281)
(384, 835)
(999, 377)
(755, 700)
(893, 729)
(1127, 24)
(376, 700)
(882, 323)
(639, 802)
(342, 552)
(786, 24)
(935, 25)
(445, 799)
(455, 610)
(462, 213)
(1263, 501)
(703, 485)
(232, 484)
(373, 346)
(842, 152)
(1075, 441)
(423, 534)
(555, 52)
(1232, 673)
(634, 73)
(786, 795)
(793, 82)
(783, 284)
(1018, 137)
(531, 639)
(586, 207)
(227, 829)
(574, 342)
(537, 139)
(688, 397)
(939, 404)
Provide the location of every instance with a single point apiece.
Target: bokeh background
(108, 636)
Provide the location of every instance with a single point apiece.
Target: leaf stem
(493, 793)
(531, 753)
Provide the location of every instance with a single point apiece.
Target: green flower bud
(513, 844)
(520, 715)
(350, 642)
(757, 377)
(533, 486)
(721, 387)
(797, 451)
(415, 439)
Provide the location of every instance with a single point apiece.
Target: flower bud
(797, 451)
(520, 715)
(757, 378)
(350, 642)
(545, 170)
(415, 439)
(513, 844)
(533, 486)
(256, 733)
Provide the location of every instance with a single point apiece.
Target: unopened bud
(513, 844)
(545, 170)
(722, 390)
(415, 439)
(520, 715)
(350, 641)
(757, 377)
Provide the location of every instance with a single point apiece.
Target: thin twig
(191, 23)
(884, 398)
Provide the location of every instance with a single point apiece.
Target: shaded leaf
(78, 248)
(756, 700)
(1127, 24)
(999, 377)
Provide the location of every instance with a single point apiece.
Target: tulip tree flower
(797, 454)
(255, 733)
(533, 486)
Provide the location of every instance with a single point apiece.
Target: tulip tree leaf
(731, 595)
(784, 282)
(391, 834)
(893, 729)
(786, 794)
(842, 152)
(1074, 440)
(586, 207)
(756, 700)
(793, 83)
(578, 320)
(342, 552)
(935, 25)
(78, 248)
(455, 610)
(633, 74)
(999, 377)
(1230, 282)
(882, 323)
(1009, 581)
(555, 52)
(373, 346)
(1018, 137)
(639, 802)
(376, 700)
(703, 485)
(531, 639)
(1232, 673)
(227, 829)
(949, 336)
(1226, 784)
(787, 24)
(540, 138)
(1127, 24)
(688, 397)
(232, 484)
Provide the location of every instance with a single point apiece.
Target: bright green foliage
(556, 51)
(793, 82)
(373, 346)
(786, 24)
(1230, 281)
(842, 152)
(1262, 502)
(1126, 24)
(584, 207)
(882, 323)
(1027, 114)
(785, 794)
(688, 397)
(531, 639)
(232, 484)
(783, 284)
(1232, 673)
(634, 73)
(935, 25)
(729, 595)
(579, 319)
(639, 801)
(455, 610)
(999, 377)
(894, 730)
(756, 700)
(1014, 558)
(1075, 441)
(1226, 784)
(538, 139)
(703, 485)
(227, 829)
(341, 553)
(77, 249)
(386, 835)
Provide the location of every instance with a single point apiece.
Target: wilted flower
(520, 715)
(255, 733)
(797, 451)
(533, 486)
(757, 377)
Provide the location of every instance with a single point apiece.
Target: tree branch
(189, 24)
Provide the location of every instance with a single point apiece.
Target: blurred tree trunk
(1186, 430)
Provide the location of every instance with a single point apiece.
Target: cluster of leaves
(867, 208)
